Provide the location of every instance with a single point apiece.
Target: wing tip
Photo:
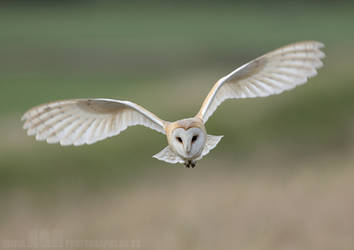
(321, 45)
(318, 44)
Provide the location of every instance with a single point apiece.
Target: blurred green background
(281, 178)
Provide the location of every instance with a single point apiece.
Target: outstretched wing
(81, 121)
(272, 73)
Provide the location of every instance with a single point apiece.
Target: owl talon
(189, 164)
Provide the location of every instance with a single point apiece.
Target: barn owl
(86, 121)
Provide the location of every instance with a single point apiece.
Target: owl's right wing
(272, 73)
(86, 121)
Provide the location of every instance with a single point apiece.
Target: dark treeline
(260, 2)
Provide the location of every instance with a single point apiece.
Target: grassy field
(254, 208)
(281, 177)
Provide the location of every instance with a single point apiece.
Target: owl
(86, 121)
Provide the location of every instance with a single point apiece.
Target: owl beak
(187, 148)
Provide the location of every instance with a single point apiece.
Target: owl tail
(168, 155)
(212, 141)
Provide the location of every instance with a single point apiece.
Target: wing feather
(272, 73)
(86, 121)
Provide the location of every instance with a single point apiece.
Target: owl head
(187, 138)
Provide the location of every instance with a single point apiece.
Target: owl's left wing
(85, 121)
(272, 73)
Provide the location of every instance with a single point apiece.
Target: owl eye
(194, 138)
(179, 139)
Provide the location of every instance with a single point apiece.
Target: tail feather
(211, 143)
(168, 155)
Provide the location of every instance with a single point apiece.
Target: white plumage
(86, 121)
